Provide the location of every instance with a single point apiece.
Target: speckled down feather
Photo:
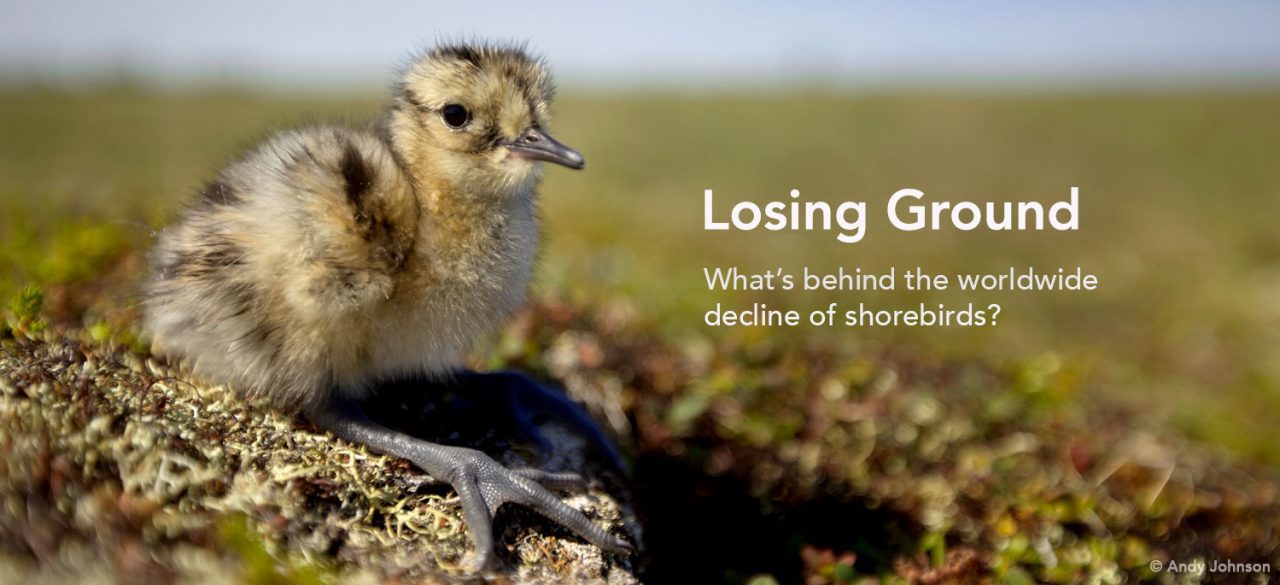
(327, 257)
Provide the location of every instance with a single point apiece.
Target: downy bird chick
(329, 258)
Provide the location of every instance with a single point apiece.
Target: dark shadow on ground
(704, 529)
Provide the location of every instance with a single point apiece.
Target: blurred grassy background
(1179, 195)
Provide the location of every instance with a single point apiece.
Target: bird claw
(484, 485)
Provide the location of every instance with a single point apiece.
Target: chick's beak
(535, 144)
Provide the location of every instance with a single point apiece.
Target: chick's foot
(483, 485)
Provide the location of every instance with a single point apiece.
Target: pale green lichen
(109, 450)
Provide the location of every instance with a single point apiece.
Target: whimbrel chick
(328, 258)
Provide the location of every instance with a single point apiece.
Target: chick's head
(477, 115)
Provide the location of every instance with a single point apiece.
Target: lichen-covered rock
(118, 468)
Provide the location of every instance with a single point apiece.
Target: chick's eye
(455, 116)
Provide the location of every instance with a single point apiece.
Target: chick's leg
(482, 483)
(525, 398)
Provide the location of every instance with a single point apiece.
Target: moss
(23, 318)
(70, 251)
(258, 565)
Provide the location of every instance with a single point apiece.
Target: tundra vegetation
(1086, 435)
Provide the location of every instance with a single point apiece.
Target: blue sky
(317, 42)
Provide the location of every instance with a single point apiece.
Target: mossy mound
(120, 468)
